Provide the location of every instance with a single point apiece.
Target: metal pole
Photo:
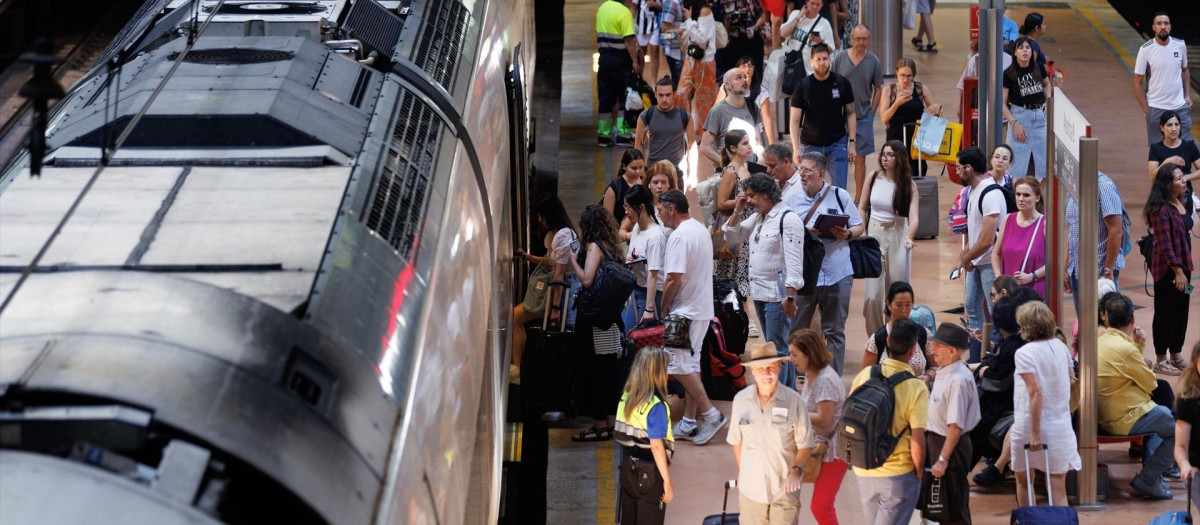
(1089, 204)
(1055, 209)
(991, 117)
(885, 18)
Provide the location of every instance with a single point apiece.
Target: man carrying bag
(953, 413)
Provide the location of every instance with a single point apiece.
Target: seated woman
(995, 379)
(900, 300)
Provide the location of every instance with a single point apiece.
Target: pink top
(1016, 242)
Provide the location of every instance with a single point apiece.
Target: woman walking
(698, 82)
(902, 105)
(824, 395)
(1170, 219)
(646, 246)
(1041, 403)
(900, 300)
(731, 262)
(1175, 150)
(1187, 425)
(551, 218)
(1026, 88)
(1022, 239)
(599, 378)
(629, 174)
(890, 206)
(643, 428)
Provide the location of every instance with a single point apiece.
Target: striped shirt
(1110, 204)
(614, 22)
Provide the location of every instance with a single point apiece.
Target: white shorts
(648, 40)
(687, 360)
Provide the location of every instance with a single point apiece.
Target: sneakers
(1172, 474)
(1165, 368)
(1178, 362)
(604, 134)
(684, 435)
(624, 134)
(990, 476)
(706, 429)
(1154, 491)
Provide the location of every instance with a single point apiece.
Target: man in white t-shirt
(1164, 60)
(800, 23)
(688, 292)
(982, 221)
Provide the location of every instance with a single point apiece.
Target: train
(266, 271)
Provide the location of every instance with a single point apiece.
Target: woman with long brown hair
(1021, 243)
(598, 384)
(731, 262)
(1170, 219)
(890, 207)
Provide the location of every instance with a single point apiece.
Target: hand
(1023, 279)
(521, 254)
(840, 232)
(903, 97)
(935, 110)
(1035, 444)
(1176, 160)
(647, 316)
(668, 493)
(1180, 281)
(851, 153)
(794, 482)
(789, 309)
(908, 243)
(1188, 471)
(1018, 131)
(968, 266)
(939, 469)
(739, 204)
(1066, 283)
(797, 157)
(1139, 336)
(637, 67)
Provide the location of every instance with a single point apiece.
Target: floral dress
(737, 268)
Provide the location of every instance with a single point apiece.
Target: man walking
(889, 492)
(663, 132)
(865, 73)
(776, 238)
(953, 414)
(778, 159)
(687, 292)
(737, 111)
(773, 425)
(822, 116)
(616, 42)
(1164, 60)
(982, 222)
(832, 292)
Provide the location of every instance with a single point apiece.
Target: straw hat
(763, 354)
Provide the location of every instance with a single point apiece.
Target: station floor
(1095, 48)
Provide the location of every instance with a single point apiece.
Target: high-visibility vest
(632, 432)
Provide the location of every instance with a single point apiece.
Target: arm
(737, 456)
(931, 107)
(986, 238)
(870, 359)
(790, 25)
(728, 183)
(651, 287)
(953, 432)
(640, 141)
(1035, 411)
(851, 130)
(875, 99)
(689, 138)
(794, 118)
(823, 417)
(1152, 167)
(1187, 85)
(736, 231)
(864, 200)
(917, 449)
(1140, 95)
(610, 200)
(587, 274)
(660, 460)
(625, 232)
(793, 253)
(708, 148)
(1115, 225)
(670, 288)
(632, 47)
(1183, 434)
(887, 106)
(996, 259)
(1004, 105)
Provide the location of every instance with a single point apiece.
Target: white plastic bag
(633, 100)
(910, 14)
(773, 75)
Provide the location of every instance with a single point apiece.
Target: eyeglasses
(807, 170)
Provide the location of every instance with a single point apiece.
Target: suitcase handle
(562, 304)
(1029, 476)
(725, 502)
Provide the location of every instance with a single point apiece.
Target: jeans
(888, 500)
(976, 299)
(1033, 121)
(1075, 287)
(576, 285)
(775, 329)
(676, 67)
(1160, 446)
(834, 302)
(835, 156)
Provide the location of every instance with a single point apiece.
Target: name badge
(836, 94)
(779, 412)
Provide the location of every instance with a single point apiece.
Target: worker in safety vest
(643, 427)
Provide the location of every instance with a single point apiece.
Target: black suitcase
(547, 363)
(727, 306)
(724, 518)
(927, 192)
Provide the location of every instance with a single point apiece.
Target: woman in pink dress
(1022, 239)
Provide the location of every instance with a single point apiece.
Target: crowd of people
(994, 389)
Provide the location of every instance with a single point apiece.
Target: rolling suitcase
(1177, 517)
(727, 305)
(1048, 515)
(547, 362)
(724, 518)
(927, 192)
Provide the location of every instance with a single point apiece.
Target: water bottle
(781, 284)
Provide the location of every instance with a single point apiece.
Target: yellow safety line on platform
(1103, 32)
(606, 486)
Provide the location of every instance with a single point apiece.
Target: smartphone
(575, 245)
(635, 260)
(1189, 289)
(955, 273)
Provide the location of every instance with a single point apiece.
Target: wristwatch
(790, 299)
(942, 458)
(851, 140)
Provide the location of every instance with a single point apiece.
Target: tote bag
(535, 291)
(930, 134)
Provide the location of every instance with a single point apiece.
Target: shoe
(1155, 491)
(707, 429)
(604, 133)
(917, 42)
(1178, 362)
(514, 374)
(624, 134)
(931, 48)
(753, 330)
(1172, 473)
(1165, 368)
(684, 435)
(990, 476)
(593, 434)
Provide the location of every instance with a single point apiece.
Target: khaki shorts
(687, 360)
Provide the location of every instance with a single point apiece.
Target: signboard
(1069, 127)
(974, 22)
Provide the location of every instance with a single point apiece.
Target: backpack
(649, 114)
(721, 372)
(957, 214)
(881, 337)
(605, 299)
(923, 315)
(706, 196)
(1010, 200)
(865, 428)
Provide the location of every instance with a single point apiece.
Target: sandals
(1165, 368)
(1177, 361)
(593, 434)
(753, 331)
(916, 41)
(931, 48)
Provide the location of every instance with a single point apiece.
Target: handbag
(677, 331)
(535, 290)
(999, 430)
(941, 499)
(793, 62)
(866, 257)
(695, 51)
(647, 334)
(605, 298)
(607, 341)
(910, 14)
(812, 465)
(930, 134)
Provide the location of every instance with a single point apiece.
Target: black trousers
(1170, 315)
(641, 491)
(957, 461)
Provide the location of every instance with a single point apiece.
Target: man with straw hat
(772, 422)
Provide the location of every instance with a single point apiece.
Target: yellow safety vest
(633, 433)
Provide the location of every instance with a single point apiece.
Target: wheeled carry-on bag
(1177, 517)
(724, 518)
(927, 195)
(1048, 515)
(547, 361)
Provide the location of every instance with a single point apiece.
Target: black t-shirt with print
(1187, 150)
(1024, 84)
(824, 105)
(1189, 410)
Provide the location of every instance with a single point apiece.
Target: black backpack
(604, 300)
(1010, 200)
(865, 428)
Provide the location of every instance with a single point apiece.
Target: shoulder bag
(1032, 239)
(812, 465)
(677, 332)
(605, 298)
(793, 61)
(865, 256)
